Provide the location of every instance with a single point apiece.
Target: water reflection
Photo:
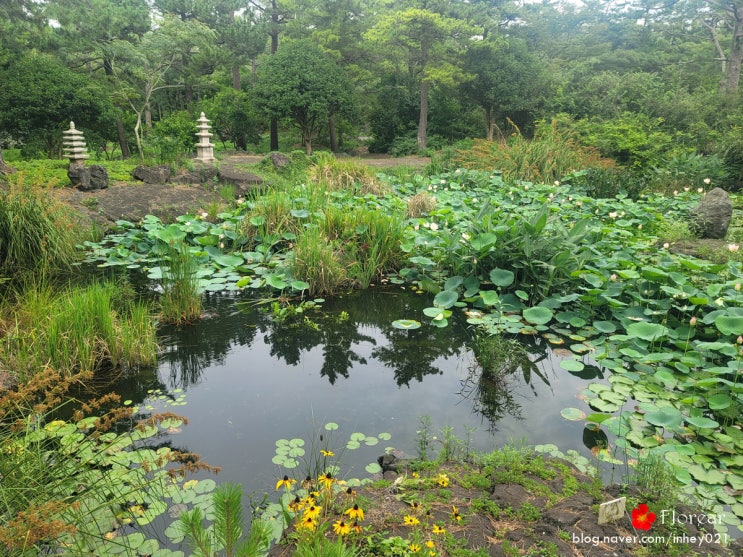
(251, 378)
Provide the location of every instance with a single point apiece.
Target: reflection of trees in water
(189, 350)
(411, 354)
(489, 382)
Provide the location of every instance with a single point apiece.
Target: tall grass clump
(552, 154)
(345, 174)
(319, 262)
(86, 328)
(37, 233)
(180, 302)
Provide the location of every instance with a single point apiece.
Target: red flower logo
(642, 517)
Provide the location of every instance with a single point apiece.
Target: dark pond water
(250, 379)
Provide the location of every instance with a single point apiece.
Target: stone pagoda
(73, 146)
(204, 148)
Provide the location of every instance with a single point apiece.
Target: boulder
(240, 180)
(710, 218)
(159, 174)
(98, 177)
(79, 175)
(201, 174)
(278, 160)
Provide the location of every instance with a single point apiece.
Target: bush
(172, 139)
(553, 153)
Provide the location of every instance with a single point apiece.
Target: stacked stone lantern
(83, 177)
(74, 145)
(204, 148)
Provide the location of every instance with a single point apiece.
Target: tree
(507, 80)
(300, 82)
(142, 69)
(40, 97)
(429, 42)
(727, 15)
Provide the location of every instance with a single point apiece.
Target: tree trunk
(125, 153)
(490, 123)
(423, 120)
(333, 134)
(735, 60)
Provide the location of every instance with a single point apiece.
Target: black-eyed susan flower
(442, 480)
(307, 483)
(341, 528)
(313, 511)
(308, 523)
(356, 527)
(414, 548)
(326, 453)
(416, 475)
(410, 520)
(455, 514)
(326, 479)
(286, 482)
(416, 506)
(429, 544)
(355, 513)
(438, 529)
(295, 505)
(351, 492)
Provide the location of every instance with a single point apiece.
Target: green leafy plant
(180, 301)
(225, 535)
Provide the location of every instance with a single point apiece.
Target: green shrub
(172, 139)
(553, 153)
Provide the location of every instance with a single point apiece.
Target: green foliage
(553, 153)
(172, 138)
(39, 98)
(37, 234)
(105, 485)
(302, 84)
(180, 302)
(633, 140)
(95, 328)
(225, 535)
(234, 117)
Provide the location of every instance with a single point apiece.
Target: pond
(246, 376)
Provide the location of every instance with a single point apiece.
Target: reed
(180, 302)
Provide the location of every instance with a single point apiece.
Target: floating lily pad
(572, 414)
(406, 324)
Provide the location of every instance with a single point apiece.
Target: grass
(38, 235)
(345, 174)
(180, 302)
(92, 328)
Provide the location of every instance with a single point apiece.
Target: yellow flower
(416, 506)
(308, 523)
(414, 548)
(411, 520)
(438, 529)
(341, 528)
(295, 505)
(351, 492)
(416, 475)
(326, 480)
(455, 514)
(326, 453)
(355, 512)
(355, 527)
(286, 482)
(443, 480)
(312, 510)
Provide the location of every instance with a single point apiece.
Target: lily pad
(406, 324)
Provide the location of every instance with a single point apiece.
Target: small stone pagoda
(84, 178)
(204, 148)
(73, 145)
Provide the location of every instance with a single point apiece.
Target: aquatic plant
(85, 328)
(180, 301)
(105, 485)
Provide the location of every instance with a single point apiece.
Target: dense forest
(645, 82)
